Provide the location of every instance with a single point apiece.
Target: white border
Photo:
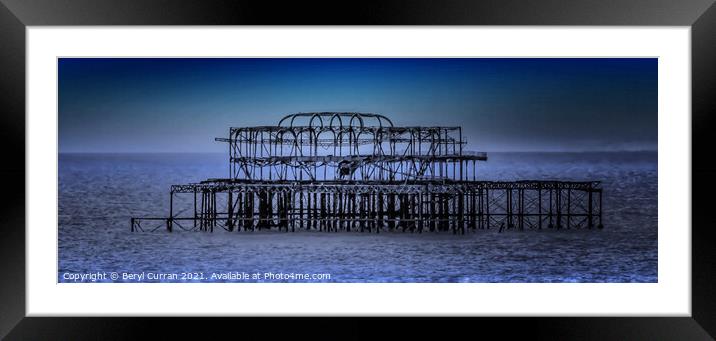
(670, 296)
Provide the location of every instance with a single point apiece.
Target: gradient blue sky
(180, 105)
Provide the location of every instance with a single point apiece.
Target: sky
(504, 104)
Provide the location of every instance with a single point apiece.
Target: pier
(357, 172)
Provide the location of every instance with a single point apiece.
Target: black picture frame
(700, 15)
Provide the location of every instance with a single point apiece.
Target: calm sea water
(98, 193)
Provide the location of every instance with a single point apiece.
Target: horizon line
(496, 151)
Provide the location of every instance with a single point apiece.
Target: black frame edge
(703, 236)
(385, 12)
(12, 137)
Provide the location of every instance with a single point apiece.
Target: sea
(98, 193)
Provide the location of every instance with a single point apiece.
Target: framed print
(551, 176)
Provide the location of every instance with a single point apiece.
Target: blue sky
(180, 105)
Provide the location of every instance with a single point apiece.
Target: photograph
(357, 170)
(482, 164)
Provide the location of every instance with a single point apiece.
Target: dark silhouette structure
(333, 171)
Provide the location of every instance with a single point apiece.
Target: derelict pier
(334, 171)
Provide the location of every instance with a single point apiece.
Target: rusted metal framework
(359, 172)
